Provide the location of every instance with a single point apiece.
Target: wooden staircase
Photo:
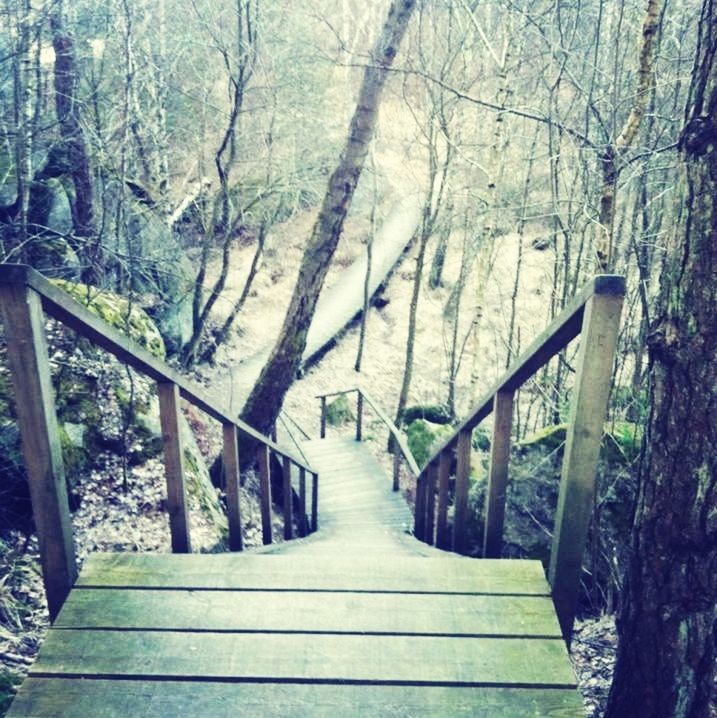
(360, 618)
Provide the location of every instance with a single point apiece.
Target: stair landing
(357, 620)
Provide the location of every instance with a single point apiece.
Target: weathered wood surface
(312, 611)
(359, 619)
(24, 327)
(582, 447)
(78, 698)
(177, 508)
(498, 474)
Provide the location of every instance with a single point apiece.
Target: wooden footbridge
(361, 614)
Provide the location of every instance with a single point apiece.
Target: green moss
(620, 443)
(549, 437)
(116, 311)
(424, 438)
(339, 412)
(9, 683)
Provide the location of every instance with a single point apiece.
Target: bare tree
(265, 400)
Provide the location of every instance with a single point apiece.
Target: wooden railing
(398, 439)
(24, 298)
(594, 314)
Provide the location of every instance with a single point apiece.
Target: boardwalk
(359, 619)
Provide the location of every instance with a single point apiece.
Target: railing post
(430, 502)
(323, 417)
(359, 414)
(443, 539)
(169, 417)
(396, 469)
(288, 504)
(584, 436)
(303, 529)
(315, 502)
(265, 491)
(34, 398)
(419, 517)
(498, 474)
(460, 502)
(232, 479)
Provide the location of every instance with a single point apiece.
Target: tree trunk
(668, 618)
(611, 159)
(264, 402)
(67, 106)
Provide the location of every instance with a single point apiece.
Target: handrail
(24, 296)
(395, 433)
(61, 306)
(546, 345)
(594, 313)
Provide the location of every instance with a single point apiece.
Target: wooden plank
(582, 446)
(307, 612)
(35, 402)
(292, 657)
(460, 497)
(443, 538)
(288, 499)
(232, 480)
(168, 394)
(265, 493)
(498, 474)
(306, 572)
(76, 698)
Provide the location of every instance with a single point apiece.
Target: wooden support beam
(584, 436)
(232, 480)
(21, 312)
(323, 417)
(303, 522)
(430, 502)
(443, 538)
(315, 502)
(359, 414)
(396, 469)
(460, 501)
(265, 493)
(419, 516)
(498, 474)
(169, 416)
(288, 499)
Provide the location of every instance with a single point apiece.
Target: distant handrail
(594, 313)
(24, 296)
(396, 434)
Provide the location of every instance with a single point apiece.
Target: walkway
(359, 619)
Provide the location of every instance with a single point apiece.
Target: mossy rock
(338, 412)
(117, 312)
(424, 438)
(620, 443)
(436, 414)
